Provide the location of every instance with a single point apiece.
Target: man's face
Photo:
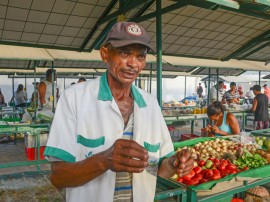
(125, 63)
(221, 86)
(233, 88)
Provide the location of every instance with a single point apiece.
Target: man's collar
(105, 93)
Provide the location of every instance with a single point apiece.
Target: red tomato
(197, 177)
(180, 179)
(231, 166)
(245, 168)
(191, 182)
(189, 176)
(225, 172)
(203, 181)
(197, 169)
(208, 174)
(215, 177)
(237, 200)
(201, 163)
(226, 162)
(216, 171)
(222, 166)
(216, 161)
(233, 172)
(210, 158)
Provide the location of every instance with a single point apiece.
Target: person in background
(260, 108)
(199, 90)
(240, 91)
(45, 91)
(214, 89)
(35, 96)
(250, 94)
(222, 123)
(2, 99)
(231, 96)
(19, 97)
(108, 134)
(81, 79)
(267, 91)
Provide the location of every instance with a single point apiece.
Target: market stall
(225, 166)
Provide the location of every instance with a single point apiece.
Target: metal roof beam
(264, 2)
(95, 27)
(247, 46)
(105, 31)
(37, 45)
(255, 50)
(128, 7)
(227, 3)
(245, 8)
(163, 11)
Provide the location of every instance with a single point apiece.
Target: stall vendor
(231, 96)
(222, 123)
(108, 140)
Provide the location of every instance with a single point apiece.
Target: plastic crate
(32, 153)
(188, 136)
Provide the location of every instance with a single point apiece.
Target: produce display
(217, 158)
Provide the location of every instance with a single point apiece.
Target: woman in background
(19, 97)
(2, 99)
(221, 122)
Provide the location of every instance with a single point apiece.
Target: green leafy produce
(249, 160)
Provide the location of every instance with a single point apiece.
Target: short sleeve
(62, 137)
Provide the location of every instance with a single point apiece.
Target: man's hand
(126, 156)
(181, 163)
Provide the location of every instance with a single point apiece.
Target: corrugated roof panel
(63, 6)
(10, 35)
(57, 19)
(33, 27)
(16, 14)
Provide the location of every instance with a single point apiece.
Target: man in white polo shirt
(108, 140)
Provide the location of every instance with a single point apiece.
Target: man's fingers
(130, 162)
(134, 153)
(183, 155)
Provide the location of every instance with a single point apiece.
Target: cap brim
(117, 43)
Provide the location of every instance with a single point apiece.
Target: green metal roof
(190, 28)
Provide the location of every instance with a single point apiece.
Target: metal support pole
(159, 51)
(217, 83)
(25, 87)
(185, 94)
(35, 93)
(151, 75)
(53, 86)
(259, 78)
(13, 94)
(208, 87)
(64, 82)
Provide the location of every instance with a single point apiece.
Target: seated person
(231, 96)
(222, 123)
(2, 99)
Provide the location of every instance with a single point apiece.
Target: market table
(33, 130)
(170, 120)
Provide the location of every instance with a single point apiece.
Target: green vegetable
(249, 160)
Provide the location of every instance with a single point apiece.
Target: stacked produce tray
(240, 182)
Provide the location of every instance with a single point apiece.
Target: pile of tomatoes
(211, 169)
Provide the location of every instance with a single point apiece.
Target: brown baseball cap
(126, 33)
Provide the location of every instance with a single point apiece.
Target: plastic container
(32, 153)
